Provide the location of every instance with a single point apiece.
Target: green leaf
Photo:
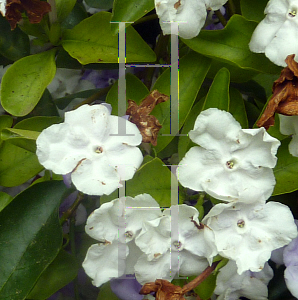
(92, 41)
(185, 142)
(30, 237)
(17, 165)
(237, 107)
(218, 94)
(103, 4)
(152, 178)
(63, 269)
(129, 11)
(64, 7)
(25, 133)
(286, 170)
(25, 139)
(38, 123)
(5, 199)
(191, 77)
(14, 44)
(207, 287)
(5, 121)
(230, 45)
(135, 90)
(255, 14)
(25, 81)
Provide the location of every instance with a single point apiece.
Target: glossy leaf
(25, 139)
(255, 14)
(206, 288)
(17, 165)
(5, 199)
(14, 44)
(237, 107)
(153, 178)
(5, 121)
(129, 11)
(218, 94)
(231, 46)
(25, 81)
(106, 293)
(92, 41)
(286, 170)
(25, 133)
(30, 238)
(103, 4)
(135, 90)
(63, 269)
(64, 7)
(185, 142)
(192, 71)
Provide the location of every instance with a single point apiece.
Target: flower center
(98, 149)
(240, 223)
(293, 12)
(129, 234)
(230, 164)
(177, 245)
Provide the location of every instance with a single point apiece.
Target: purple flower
(126, 288)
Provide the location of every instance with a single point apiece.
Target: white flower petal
(190, 14)
(95, 177)
(215, 4)
(231, 285)
(265, 32)
(154, 239)
(149, 271)
(103, 223)
(291, 278)
(101, 262)
(248, 233)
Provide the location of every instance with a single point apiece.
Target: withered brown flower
(164, 290)
(148, 125)
(35, 10)
(285, 94)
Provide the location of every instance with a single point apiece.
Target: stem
(221, 18)
(194, 283)
(70, 212)
(95, 96)
(231, 7)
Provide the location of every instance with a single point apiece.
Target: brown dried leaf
(164, 290)
(35, 10)
(285, 95)
(148, 125)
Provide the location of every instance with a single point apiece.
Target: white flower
(289, 125)
(167, 252)
(247, 233)
(190, 14)
(232, 163)
(252, 285)
(2, 7)
(116, 224)
(87, 145)
(276, 35)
